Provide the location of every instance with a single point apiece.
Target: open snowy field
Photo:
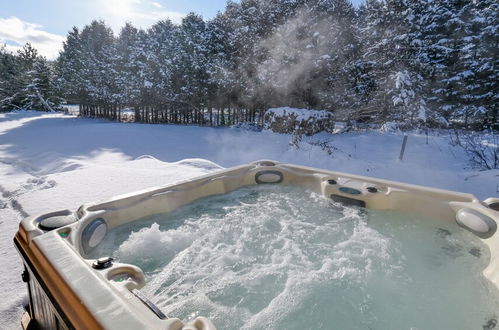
(53, 161)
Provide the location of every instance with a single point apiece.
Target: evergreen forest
(419, 63)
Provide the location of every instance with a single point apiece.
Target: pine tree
(96, 75)
(191, 61)
(69, 68)
(393, 43)
(130, 65)
(483, 63)
(448, 43)
(25, 60)
(8, 76)
(161, 50)
(39, 92)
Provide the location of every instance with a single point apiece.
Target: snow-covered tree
(393, 44)
(191, 61)
(161, 41)
(130, 62)
(9, 73)
(39, 91)
(69, 68)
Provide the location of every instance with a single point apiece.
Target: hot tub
(74, 281)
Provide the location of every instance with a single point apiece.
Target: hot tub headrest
(476, 222)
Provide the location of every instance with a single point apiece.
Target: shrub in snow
(389, 126)
(302, 121)
(482, 149)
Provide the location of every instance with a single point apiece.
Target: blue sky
(45, 23)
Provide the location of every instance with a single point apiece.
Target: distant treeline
(419, 62)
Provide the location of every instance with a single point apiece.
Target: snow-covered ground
(52, 161)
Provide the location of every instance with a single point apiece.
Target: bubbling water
(274, 256)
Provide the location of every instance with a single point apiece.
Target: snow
(51, 161)
(340, 127)
(421, 113)
(389, 126)
(402, 79)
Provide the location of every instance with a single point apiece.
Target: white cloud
(140, 13)
(14, 30)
